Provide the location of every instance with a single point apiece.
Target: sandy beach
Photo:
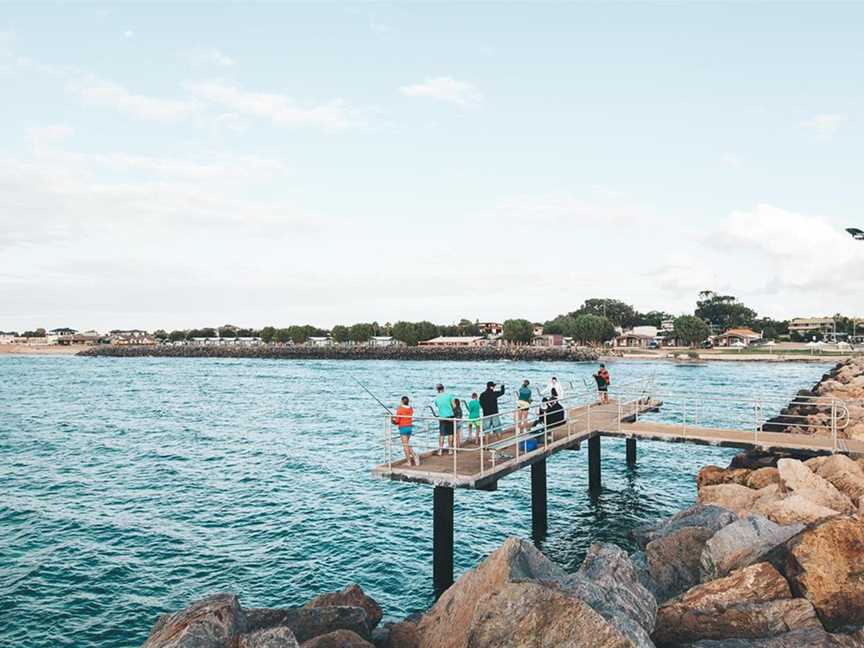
(40, 349)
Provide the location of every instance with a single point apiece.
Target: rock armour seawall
(274, 352)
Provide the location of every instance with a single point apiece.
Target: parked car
(707, 344)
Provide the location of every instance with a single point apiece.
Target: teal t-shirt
(473, 409)
(444, 403)
(525, 394)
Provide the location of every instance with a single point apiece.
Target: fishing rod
(389, 411)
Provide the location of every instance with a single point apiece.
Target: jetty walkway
(480, 464)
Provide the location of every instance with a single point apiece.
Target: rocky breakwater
(810, 413)
(302, 352)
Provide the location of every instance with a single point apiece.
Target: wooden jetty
(474, 467)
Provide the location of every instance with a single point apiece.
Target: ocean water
(131, 487)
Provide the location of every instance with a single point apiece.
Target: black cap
(490, 384)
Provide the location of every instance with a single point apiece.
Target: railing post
(684, 416)
(833, 425)
(588, 424)
(482, 425)
(619, 415)
(387, 452)
(455, 444)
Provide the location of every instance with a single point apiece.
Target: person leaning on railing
(404, 421)
(444, 404)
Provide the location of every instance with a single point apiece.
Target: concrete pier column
(442, 539)
(538, 500)
(594, 464)
(631, 452)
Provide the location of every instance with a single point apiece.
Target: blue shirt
(525, 394)
(444, 403)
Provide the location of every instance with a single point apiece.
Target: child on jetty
(474, 416)
(404, 420)
(457, 424)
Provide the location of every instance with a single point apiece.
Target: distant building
(132, 337)
(474, 340)
(548, 340)
(667, 325)
(59, 332)
(491, 328)
(738, 337)
(383, 341)
(538, 330)
(88, 338)
(639, 337)
(319, 341)
(805, 325)
(7, 337)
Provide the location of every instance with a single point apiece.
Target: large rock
(307, 623)
(673, 560)
(792, 509)
(845, 475)
(352, 596)
(826, 565)
(795, 477)
(711, 475)
(280, 637)
(403, 635)
(741, 544)
(608, 582)
(208, 623)
(751, 602)
(805, 638)
(531, 614)
(762, 477)
(704, 516)
(448, 622)
(735, 497)
(338, 639)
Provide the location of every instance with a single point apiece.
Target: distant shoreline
(273, 352)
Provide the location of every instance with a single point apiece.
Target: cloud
(128, 33)
(278, 108)
(445, 89)
(562, 209)
(213, 57)
(825, 123)
(97, 92)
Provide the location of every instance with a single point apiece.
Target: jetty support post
(538, 500)
(594, 464)
(631, 452)
(442, 539)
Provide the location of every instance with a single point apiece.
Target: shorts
(445, 428)
(523, 405)
(474, 422)
(406, 431)
(492, 423)
(604, 388)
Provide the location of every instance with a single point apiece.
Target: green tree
(298, 334)
(39, 332)
(561, 325)
(160, 334)
(361, 332)
(771, 328)
(176, 336)
(405, 332)
(340, 333)
(267, 334)
(691, 330)
(653, 318)
(591, 329)
(616, 311)
(518, 330)
(426, 330)
(282, 335)
(723, 311)
(227, 331)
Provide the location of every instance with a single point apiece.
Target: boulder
(762, 477)
(711, 475)
(448, 622)
(795, 477)
(836, 464)
(705, 516)
(825, 564)
(354, 596)
(814, 463)
(532, 614)
(640, 563)
(307, 623)
(792, 509)
(607, 581)
(742, 543)
(403, 635)
(337, 639)
(753, 459)
(741, 620)
(280, 637)
(735, 497)
(673, 560)
(805, 638)
(207, 623)
(747, 603)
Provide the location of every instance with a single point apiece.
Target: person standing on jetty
(404, 420)
(489, 403)
(523, 404)
(444, 405)
(554, 387)
(457, 424)
(603, 382)
(474, 422)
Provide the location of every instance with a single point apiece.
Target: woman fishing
(404, 421)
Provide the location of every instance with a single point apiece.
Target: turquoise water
(133, 486)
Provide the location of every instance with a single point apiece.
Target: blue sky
(172, 166)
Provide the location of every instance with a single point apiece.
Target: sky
(175, 166)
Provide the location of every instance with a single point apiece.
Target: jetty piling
(594, 464)
(442, 539)
(631, 451)
(538, 500)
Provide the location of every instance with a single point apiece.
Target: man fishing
(446, 424)
(603, 382)
(489, 404)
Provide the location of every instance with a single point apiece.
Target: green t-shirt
(473, 409)
(525, 394)
(444, 403)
